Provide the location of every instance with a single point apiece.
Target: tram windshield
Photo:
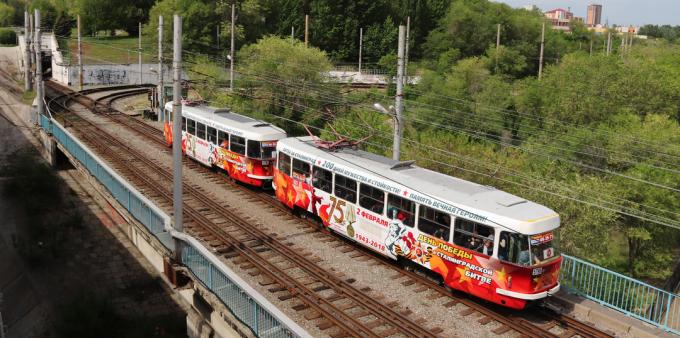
(527, 250)
(261, 150)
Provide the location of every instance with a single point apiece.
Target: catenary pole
(177, 128)
(408, 41)
(233, 46)
(80, 56)
(31, 39)
(139, 52)
(540, 57)
(28, 81)
(361, 44)
(609, 43)
(161, 86)
(399, 104)
(306, 30)
(38, 65)
(498, 42)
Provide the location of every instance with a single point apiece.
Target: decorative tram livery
(481, 240)
(240, 145)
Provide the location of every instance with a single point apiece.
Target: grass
(102, 50)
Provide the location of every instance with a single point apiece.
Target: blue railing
(140, 209)
(632, 297)
(246, 305)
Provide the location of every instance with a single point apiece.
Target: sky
(619, 12)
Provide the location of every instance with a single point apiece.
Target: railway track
(552, 324)
(324, 295)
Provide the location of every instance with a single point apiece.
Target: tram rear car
(480, 240)
(240, 145)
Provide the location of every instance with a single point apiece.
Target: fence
(630, 296)
(245, 303)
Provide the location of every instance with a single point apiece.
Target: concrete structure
(594, 17)
(93, 74)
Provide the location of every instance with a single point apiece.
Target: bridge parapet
(244, 302)
(630, 296)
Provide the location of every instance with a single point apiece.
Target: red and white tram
(240, 145)
(481, 240)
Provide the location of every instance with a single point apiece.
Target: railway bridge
(248, 267)
(241, 274)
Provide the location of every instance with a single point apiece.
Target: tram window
(212, 135)
(254, 150)
(191, 127)
(200, 130)
(433, 222)
(346, 188)
(302, 171)
(514, 248)
(223, 139)
(284, 163)
(237, 144)
(474, 236)
(323, 179)
(268, 149)
(184, 123)
(372, 198)
(401, 209)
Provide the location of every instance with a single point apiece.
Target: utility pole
(233, 46)
(80, 57)
(38, 65)
(31, 39)
(217, 35)
(177, 129)
(161, 86)
(306, 30)
(292, 33)
(498, 43)
(540, 57)
(609, 43)
(399, 104)
(140, 53)
(361, 44)
(408, 40)
(28, 81)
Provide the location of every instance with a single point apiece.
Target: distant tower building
(594, 15)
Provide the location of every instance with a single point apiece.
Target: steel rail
(339, 318)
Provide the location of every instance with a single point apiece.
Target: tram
(242, 146)
(480, 240)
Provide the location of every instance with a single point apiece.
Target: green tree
(6, 14)
(282, 74)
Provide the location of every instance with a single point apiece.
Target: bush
(8, 37)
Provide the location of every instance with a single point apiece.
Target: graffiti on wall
(107, 76)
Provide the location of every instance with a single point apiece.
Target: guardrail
(244, 302)
(632, 297)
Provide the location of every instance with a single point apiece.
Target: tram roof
(241, 125)
(499, 207)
